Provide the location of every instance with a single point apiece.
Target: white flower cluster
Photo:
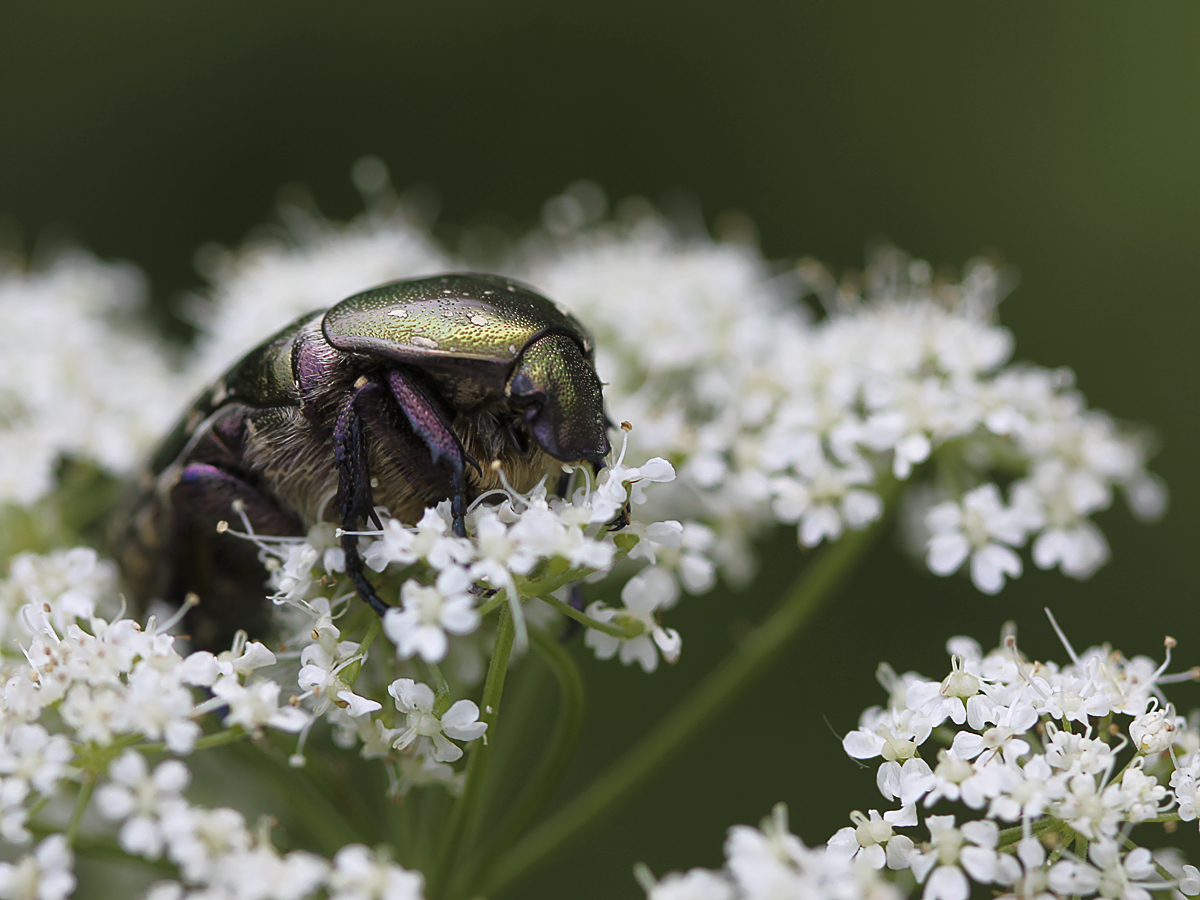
(81, 376)
(1071, 755)
(768, 415)
(77, 685)
(769, 862)
(114, 679)
(72, 693)
(528, 546)
(219, 856)
(1060, 763)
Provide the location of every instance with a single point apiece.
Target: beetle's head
(555, 389)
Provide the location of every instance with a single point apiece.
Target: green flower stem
(625, 632)
(464, 815)
(549, 770)
(1039, 828)
(500, 598)
(808, 593)
(441, 689)
(216, 739)
(81, 805)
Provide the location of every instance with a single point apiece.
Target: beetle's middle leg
(354, 498)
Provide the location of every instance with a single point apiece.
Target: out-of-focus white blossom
(142, 800)
(45, 874)
(358, 874)
(81, 375)
(770, 862)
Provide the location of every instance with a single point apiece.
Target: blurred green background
(1064, 136)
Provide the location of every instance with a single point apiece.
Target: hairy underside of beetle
(297, 460)
(281, 465)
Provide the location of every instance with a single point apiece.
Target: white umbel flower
(643, 594)
(358, 874)
(429, 613)
(143, 800)
(45, 874)
(982, 528)
(460, 721)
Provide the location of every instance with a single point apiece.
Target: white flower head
(980, 527)
(460, 721)
(143, 800)
(431, 612)
(46, 874)
(358, 874)
(643, 594)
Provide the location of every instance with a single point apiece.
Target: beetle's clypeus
(390, 397)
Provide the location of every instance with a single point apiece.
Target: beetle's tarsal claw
(620, 520)
(470, 461)
(354, 570)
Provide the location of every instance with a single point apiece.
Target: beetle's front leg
(431, 426)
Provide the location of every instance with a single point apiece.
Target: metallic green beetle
(389, 397)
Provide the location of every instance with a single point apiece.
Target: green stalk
(207, 742)
(618, 631)
(81, 805)
(319, 810)
(542, 782)
(463, 815)
(815, 586)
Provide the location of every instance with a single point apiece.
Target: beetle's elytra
(389, 397)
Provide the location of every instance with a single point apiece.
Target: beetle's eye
(524, 396)
(522, 391)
